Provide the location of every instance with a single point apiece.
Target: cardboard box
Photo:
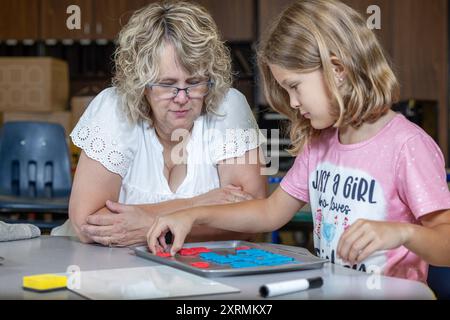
(33, 84)
(78, 105)
(63, 118)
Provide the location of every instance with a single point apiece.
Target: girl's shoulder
(402, 131)
(396, 133)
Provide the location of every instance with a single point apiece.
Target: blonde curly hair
(197, 42)
(304, 38)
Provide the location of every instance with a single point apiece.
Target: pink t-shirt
(397, 175)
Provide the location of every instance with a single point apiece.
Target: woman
(160, 140)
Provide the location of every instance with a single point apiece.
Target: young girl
(374, 180)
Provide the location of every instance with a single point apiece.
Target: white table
(54, 254)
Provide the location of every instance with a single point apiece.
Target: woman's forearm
(431, 244)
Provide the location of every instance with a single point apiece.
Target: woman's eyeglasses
(167, 91)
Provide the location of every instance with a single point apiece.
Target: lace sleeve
(105, 134)
(234, 131)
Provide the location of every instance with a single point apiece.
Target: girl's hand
(224, 195)
(122, 226)
(364, 237)
(179, 224)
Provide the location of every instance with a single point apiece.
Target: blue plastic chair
(35, 169)
(439, 281)
(439, 277)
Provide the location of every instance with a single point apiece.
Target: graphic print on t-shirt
(339, 196)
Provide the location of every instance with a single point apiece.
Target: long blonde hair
(195, 37)
(304, 38)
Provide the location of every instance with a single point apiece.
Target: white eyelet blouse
(134, 152)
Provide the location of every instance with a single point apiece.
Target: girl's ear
(338, 69)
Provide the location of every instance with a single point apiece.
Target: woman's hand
(224, 195)
(123, 226)
(364, 237)
(179, 224)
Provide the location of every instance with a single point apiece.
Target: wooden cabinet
(268, 10)
(54, 19)
(19, 19)
(109, 16)
(420, 50)
(385, 34)
(421, 54)
(100, 19)
(235, 18)
(103, 19)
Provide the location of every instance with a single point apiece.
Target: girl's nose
(295, 104)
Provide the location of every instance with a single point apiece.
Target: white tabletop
(54, 254)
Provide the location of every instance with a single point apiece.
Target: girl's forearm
(431, 244)
(204, 233)
(167, 207)
(198, 233)
(246, 217)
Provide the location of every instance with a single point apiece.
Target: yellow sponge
(44, 282)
